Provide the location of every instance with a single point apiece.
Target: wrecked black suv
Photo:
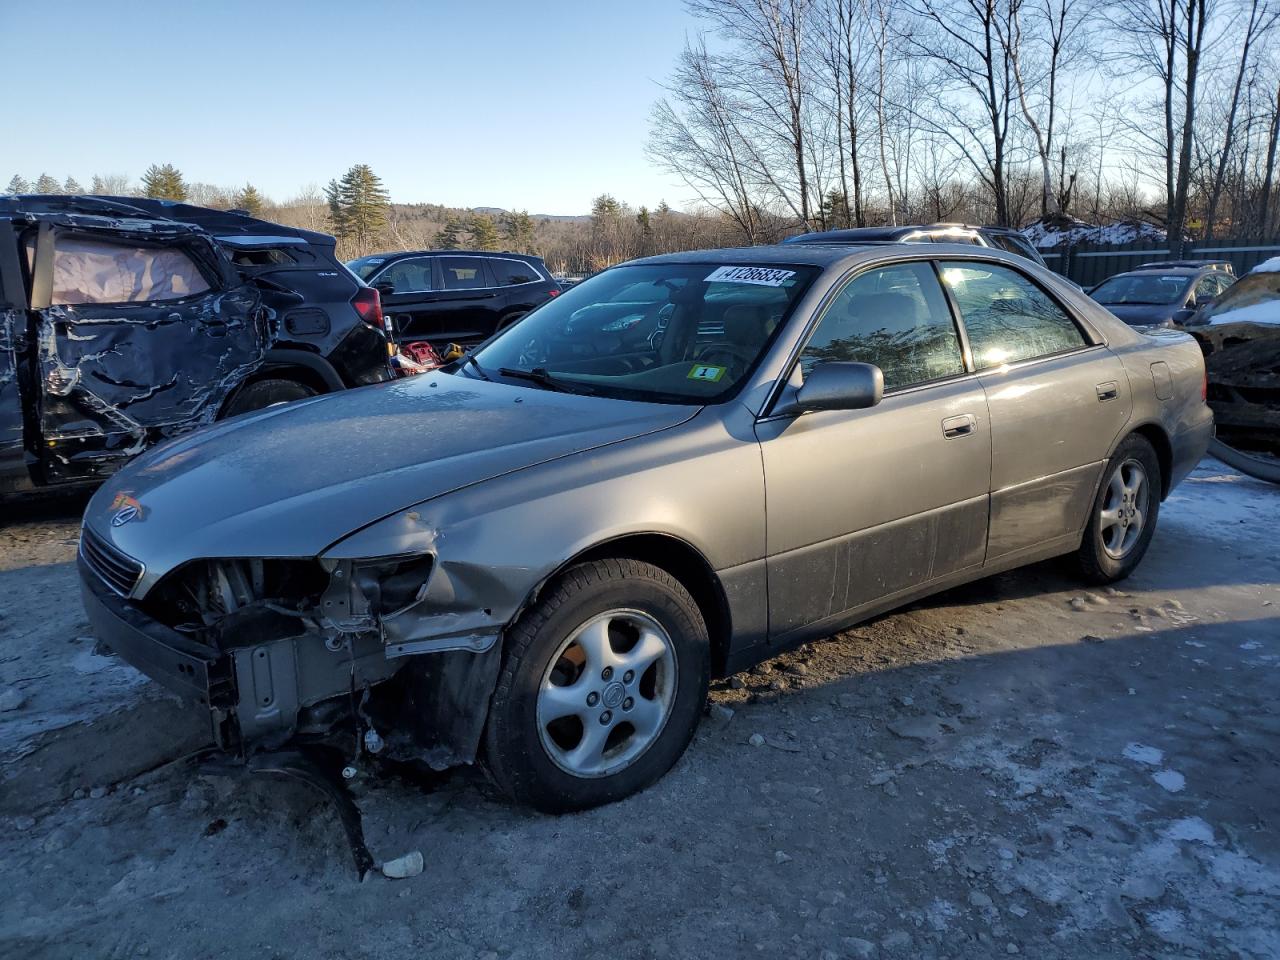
(127, 321)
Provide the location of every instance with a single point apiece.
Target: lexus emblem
(123, 516)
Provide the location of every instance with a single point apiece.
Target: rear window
(509, 273)
(89, 270)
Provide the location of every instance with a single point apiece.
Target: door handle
(1107, 391)
(961, 426)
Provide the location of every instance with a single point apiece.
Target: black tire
(1252, 465)
(509, 320)
(514, 754)
(1097, 564)
(266, 393)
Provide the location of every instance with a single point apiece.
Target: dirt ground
(1021, 766)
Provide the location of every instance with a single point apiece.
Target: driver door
(866, 505)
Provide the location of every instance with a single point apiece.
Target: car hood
(292, 480)
(1141, 314)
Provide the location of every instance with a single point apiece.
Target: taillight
(555, 292)
(368, 306)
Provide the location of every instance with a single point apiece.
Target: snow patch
(1062, 231)
(1171, 780)
(1191, 829)
(1268, 266)
(1143, 754)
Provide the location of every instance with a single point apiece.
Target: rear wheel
(1124, 514)
(266, 393)
(601, 688)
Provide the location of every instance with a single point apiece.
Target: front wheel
(266, 393)
(601, 688)
(1124, 513)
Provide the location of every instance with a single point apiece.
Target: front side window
(667, 333)
(407, 276)
(463, 273)
(1007, 317)
(895, 317)
(509, 273)
(89, 270)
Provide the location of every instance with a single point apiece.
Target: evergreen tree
(97, 186)
(484, 232)
(71, 187)
(46, 184)
(358, 205)
(18, 185)
(518, 226)
(450, 237)
(164, 183)
(645, 223)
(250, 200)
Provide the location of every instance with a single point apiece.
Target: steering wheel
(737, 356)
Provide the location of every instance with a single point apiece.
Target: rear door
(1057, 403)
(408, 288)
(142, 330)
(470, 302)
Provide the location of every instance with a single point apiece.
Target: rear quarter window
(509, 273)
(91, 270)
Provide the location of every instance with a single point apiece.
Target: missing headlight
(395, 584)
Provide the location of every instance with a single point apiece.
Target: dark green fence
(1089, 264)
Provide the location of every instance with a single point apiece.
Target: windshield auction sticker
(760, 276)
(705, 371)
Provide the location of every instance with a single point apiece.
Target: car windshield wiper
(542, 378)
(468, 358)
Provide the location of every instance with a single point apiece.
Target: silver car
(539, 556)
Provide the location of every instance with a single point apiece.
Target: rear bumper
(1189, 448)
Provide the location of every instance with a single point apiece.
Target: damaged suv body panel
(133, 331)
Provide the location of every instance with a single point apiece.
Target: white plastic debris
(401, 868)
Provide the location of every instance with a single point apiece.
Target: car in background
(998, 238)
(462, 297)
(330, 332)
(583, 524)
(127, 321)
(1156, 295)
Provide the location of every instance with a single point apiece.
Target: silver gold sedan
(538, 556)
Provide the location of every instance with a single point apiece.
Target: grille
(117, 570)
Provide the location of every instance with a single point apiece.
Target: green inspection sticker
(705, 371)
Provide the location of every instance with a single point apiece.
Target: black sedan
(1157, 295)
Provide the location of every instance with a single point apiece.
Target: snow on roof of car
(1268, 266)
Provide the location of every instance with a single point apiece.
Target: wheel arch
(684, 562)
(1155, 434)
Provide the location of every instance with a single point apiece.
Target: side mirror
(385, 287)
(1185, 314)
(838, 385)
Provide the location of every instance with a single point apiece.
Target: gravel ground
(1020, 766)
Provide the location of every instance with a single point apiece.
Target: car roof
(400, 254)
(825, 254)
(859, 234)
(1167, 272)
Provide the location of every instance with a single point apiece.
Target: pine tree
(250, 200)
(484, 232)
(71, 187)
(18, 185)
(450, 236)
(46, 184)
(645, 223)
(518, 226)
(97, 186)
(358, 205)
(164, 183)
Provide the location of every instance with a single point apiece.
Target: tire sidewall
(1094, 552)
(533, 775)
(261, 394)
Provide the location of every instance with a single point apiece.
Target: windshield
(1148, 288)
(365, 267)
(1253, 298)
(669, 333)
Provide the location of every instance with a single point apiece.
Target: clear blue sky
(535, 105)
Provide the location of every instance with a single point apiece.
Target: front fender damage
(396, 656)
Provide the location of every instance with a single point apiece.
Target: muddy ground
(1021, 766)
